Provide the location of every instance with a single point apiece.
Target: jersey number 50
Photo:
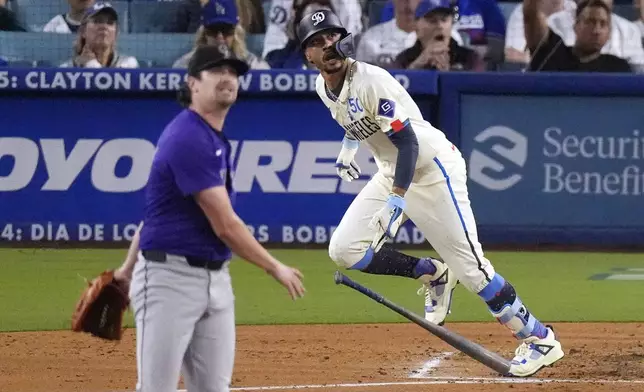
(354, 105)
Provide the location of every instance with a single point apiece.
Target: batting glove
(345, 165)
(387, 221)
(348, 172)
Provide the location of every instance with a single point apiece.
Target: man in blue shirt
(181, 289)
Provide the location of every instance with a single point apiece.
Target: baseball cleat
(438, 289)
(534, 354)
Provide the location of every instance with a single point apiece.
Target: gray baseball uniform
(181, 290)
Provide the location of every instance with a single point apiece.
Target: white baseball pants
(438, 204)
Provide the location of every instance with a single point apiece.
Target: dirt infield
(342, 358)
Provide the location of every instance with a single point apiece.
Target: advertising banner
(566, 162)
(76, 148)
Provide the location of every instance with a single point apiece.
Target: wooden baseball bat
(473, 350)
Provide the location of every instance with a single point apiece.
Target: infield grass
(39, 288)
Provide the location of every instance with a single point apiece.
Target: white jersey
(61, 24)
(370, 105)
(380, 44)
(118, 61)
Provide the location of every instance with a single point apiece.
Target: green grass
(39, 288)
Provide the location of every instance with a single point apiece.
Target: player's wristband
(395, 200)
(350, 144)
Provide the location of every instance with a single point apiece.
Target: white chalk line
(437, 381)
(429, 366)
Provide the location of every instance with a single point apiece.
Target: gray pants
(185, 324)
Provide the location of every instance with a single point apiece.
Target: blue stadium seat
(123, 9)
(23, 64)
(374, 11)
(255, 44)
(53, 48)
(506, 8)
(266, 5)
(152, 17)
(511, 67)
(150, 49)
(626, 11)
(34, 14)
(162, 49)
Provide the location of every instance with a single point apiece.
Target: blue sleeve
(493, 18)
(407, 143)
(195, 165)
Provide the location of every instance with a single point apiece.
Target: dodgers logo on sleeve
(386, 108)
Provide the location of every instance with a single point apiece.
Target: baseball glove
(101, 307)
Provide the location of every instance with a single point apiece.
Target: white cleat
(534, 354)
(438, 289)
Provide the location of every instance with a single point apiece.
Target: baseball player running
(181, 289)
(421, 176)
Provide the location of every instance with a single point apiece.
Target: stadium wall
(552, 159)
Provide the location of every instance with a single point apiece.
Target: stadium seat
(374, 11)
(159, 49)
(511, 67)
(626, 11)
(506, 8)
(152, 17)
(255, 43)
(34, 14)
(266, 5)
(52, 48)
(22, 64)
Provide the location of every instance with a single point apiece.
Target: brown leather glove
(100, 308)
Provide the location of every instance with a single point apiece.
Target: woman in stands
(221, 26)
(95, 45)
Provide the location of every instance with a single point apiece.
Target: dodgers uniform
(421, 175)
(181, 288)
(369, 106)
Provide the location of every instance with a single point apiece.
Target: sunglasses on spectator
(223, 28)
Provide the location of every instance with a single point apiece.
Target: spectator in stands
(625, 39)
(95, 45)
(380, 44)
(435, 48)
(221, 26)
(188, 17)
(516, 50)
(592, 30)
(251, 16)
(480, 24)
(69, 22)
(349, 12)
(8, 21)
(291, 55)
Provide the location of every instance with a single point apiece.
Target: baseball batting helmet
(324, 20)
